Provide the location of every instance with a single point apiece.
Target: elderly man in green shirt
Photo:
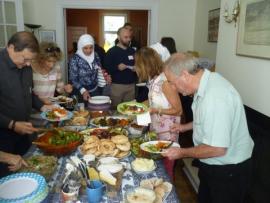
(220, 134)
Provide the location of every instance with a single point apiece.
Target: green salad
(61, 137)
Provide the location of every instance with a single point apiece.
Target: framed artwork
(254, 29)
(213, 24)
(47, 35)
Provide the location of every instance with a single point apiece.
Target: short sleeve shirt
(220, 120)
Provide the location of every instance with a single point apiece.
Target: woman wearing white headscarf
(85, 69)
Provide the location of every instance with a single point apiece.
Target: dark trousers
(223, 183)
(11, 142)
(141, 94)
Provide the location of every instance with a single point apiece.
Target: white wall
(201, 44)
(42, 12)
(249, 75)
(177, 20)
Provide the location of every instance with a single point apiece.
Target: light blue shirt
(219, 120)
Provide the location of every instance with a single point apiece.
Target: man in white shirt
(220, 133)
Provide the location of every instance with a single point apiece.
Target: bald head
(124, 36)
(181, 61)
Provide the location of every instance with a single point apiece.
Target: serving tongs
(82, 167)
(42, 144)
(56, 130)
(42, 130)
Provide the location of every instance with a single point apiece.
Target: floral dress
(161, 124)
(82, 75)
(157, 99)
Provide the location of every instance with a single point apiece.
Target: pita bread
(141, 195)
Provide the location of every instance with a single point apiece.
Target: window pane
(1, 13)
(2, 36)
(113, 23)
(11, 30)
(10, 12)
(109, 40)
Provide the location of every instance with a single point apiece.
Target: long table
(129, 180)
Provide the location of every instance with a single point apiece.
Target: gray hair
(182, 61)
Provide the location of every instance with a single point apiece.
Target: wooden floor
(183, 187)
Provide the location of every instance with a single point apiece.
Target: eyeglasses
(27, 60)
(52, 49)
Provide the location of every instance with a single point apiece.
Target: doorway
(103, 25)
(61, 5)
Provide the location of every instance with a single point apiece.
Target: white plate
(143, 84)
(143, 146)
(57, 100)
(122, 108)
(67, 117)
(21, 187)
(136, 190)
(99, 100)
(144, 172)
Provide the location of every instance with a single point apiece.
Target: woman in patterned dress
(164, 102)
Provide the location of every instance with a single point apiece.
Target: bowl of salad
(58, 141)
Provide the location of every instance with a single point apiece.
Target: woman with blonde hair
(164, 102)
(47, 75)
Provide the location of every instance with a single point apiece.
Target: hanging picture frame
(213, 24)
(253, 38)
(47, 36)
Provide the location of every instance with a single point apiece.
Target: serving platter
(100, 132)
(103, 142)
(110, 121)
(41, 164)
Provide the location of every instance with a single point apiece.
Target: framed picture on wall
(254, 29)
(47, 35)
(213, 24)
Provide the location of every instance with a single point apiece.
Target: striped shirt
(101, 79)
(46, 85)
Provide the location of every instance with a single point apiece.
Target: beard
(126, 44)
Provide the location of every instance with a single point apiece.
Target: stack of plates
(99, 103)
(23, 187)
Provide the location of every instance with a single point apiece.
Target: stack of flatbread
(160, 187)
(118, 146)
(141, 195)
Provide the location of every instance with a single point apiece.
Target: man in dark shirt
(133, 43)
(119, 62)
(16, 97)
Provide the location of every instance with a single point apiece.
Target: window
(11, 19)
(111, 23)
